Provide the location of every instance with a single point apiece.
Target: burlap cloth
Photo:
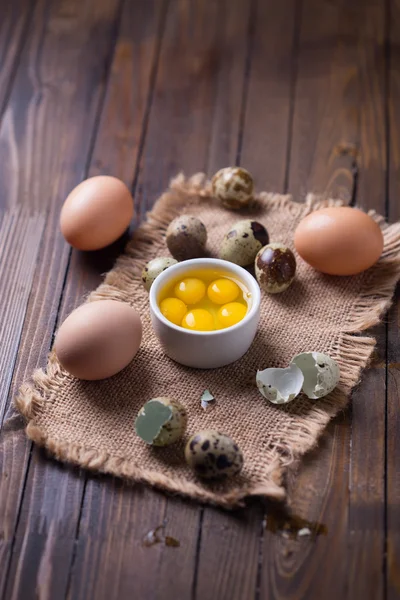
(92, 423)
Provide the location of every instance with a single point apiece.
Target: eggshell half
(339, 240)
(98, 339)
(96, 213)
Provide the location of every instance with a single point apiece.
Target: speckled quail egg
(161, 421)
(314, 373)
(275, 267)
(153, 269)
(186, 237)
(213, 455)
(241, 244)
(233, 186)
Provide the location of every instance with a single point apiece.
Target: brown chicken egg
(96, 213)
(339, 240)
(98, 339)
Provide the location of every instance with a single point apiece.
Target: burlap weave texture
(92, 423)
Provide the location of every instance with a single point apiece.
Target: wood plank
(326, 117)
(367, 467)
(290, 565)
(393, 427)
(265, 138)
(20, 229)
(231, 541)
(392, 477)
(233, 59)
(15, 17)
(135, 48)
(46, 132)
(21, 234)
(393, 320)
(338, 89)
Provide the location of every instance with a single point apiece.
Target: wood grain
(46, 132)
(392, 474)
(20, 229)
(335, 88)
(233, 60)
(366, 528)
(267, 122)
(393, 319)
(21, 235)
(326, 115)
(319, 493)
(15, 17)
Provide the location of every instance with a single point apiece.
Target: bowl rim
(240, 272)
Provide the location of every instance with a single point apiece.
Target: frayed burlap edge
(354, 350)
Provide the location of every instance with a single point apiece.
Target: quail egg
(213, 455)
(275, 268)
(161, 421)
(314, 373)
(186, 237)
(241, 244)
(153, 269)
(233, 186)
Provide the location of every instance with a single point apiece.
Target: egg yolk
(173, 309)
(222, 291)
(198, 319)
(230, 314)
(190, 290)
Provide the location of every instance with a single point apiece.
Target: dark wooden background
(306, 95)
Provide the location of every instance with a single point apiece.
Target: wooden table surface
(306, 95)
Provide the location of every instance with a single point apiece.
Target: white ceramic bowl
(205, 349)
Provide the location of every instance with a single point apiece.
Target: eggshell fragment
(96, 213)
(321, 373)
(339, 240)
(98, 339)
(207, 400)
(161, 421)
(280, 386)
(313, 373)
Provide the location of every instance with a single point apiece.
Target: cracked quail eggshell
(280, 386)
(161, 421)
(321, 373)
